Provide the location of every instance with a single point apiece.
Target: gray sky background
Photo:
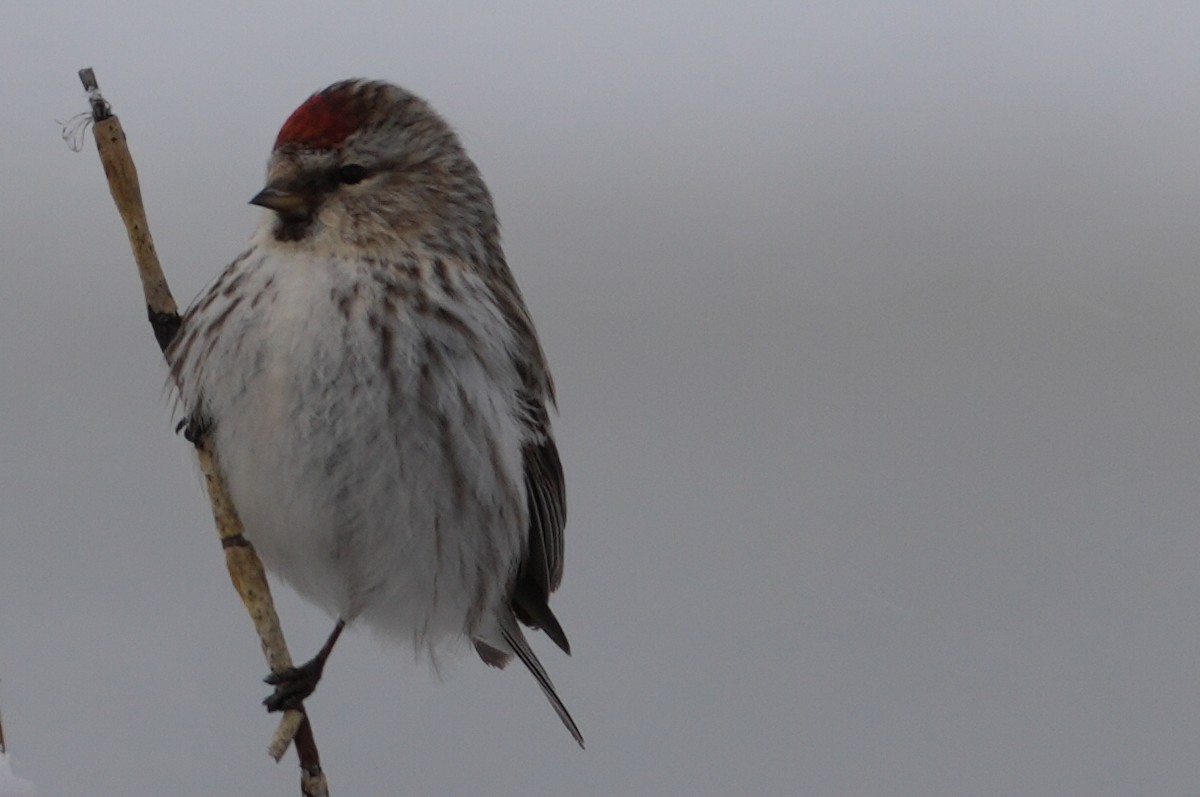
(876, 332)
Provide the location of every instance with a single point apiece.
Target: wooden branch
(245, 568)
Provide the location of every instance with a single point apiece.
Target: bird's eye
(350, 174)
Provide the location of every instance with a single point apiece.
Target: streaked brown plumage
(376, 392)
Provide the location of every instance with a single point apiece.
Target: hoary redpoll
(374, 390)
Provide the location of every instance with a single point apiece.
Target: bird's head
(364, 164)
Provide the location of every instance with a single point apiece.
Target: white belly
(393, 495)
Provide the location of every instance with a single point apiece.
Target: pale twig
(245, 568)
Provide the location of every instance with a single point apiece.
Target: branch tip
(101, 110)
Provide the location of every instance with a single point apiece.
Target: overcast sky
(877, 338)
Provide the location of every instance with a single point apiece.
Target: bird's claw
(195, 428)
(293, 685)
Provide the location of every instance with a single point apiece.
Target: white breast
(372, 445)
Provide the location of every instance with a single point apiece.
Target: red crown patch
(323, 121)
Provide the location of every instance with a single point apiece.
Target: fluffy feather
(375, 389)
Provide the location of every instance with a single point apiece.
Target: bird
(370, 381)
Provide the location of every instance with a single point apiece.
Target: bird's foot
(195, 428)
(294, 684)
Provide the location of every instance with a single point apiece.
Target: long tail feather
(516, 640)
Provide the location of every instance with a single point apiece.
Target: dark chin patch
(293, 228)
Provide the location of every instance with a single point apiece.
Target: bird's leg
(295, 684)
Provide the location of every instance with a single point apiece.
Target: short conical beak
(283, 201)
